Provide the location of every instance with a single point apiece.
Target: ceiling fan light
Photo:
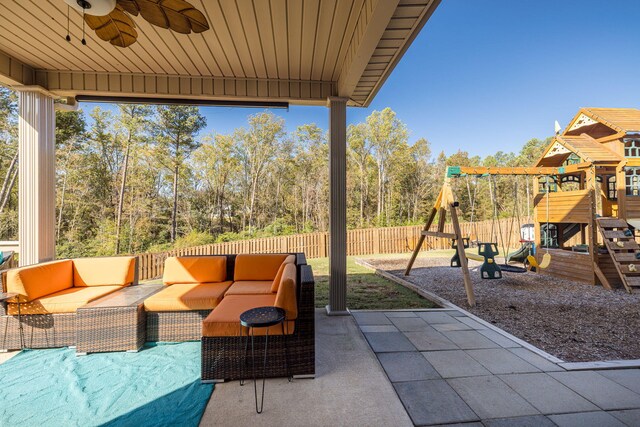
(93, 7)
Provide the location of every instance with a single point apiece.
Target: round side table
(261, 317)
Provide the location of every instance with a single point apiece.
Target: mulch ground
(573, 321)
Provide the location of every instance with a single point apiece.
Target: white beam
(113, 84)
(36, 189)
(14, 72)
(370, 28)
(337, 206)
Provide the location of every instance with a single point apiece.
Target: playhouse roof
(622, 120)
(587, 148)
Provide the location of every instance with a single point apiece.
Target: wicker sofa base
(175, 326)
(39, 330)
(223, 358)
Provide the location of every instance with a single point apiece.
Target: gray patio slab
(600, 390)
(430, 341)
(470, 340)
(536, 360)
(433, 402)
(529, 421)
(501, 361)
(407, 366)
(489, 397)
(370, 318)
(546, 394)
(458, 313)
(630, 417)
(586, 419)
(388, 341)
(472, 323)
(499, 339)
(458, 326)
(378, 328)
(409, 324)
(436, 317)
(629, 378)
(391, 314)
(454, 364)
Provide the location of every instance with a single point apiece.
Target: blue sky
(485, 76)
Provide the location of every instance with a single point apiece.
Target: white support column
(337, 206)
(36, 178)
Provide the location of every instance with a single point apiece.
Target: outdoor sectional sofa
(50, 293)
(87, 302)
(205, 295)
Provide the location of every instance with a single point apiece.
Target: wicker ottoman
(116, 322)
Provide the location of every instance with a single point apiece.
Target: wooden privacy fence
(365, 241)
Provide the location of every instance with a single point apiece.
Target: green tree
(176, 130)
(216, 164)
(8, 148)
(387, 134)
(359, 151)
(133, 122)
(256, 147)
(70, 137)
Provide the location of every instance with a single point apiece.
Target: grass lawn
(365, 290)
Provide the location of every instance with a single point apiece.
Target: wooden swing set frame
(446, 201)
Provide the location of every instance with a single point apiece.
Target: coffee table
(115, 322)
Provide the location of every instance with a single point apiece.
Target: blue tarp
(158, 386)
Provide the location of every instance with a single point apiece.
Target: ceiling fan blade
(177, 15)
(130, 6)
(117, 27)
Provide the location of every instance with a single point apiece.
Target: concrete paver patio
(478, 375)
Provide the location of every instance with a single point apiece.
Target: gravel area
(573, 321)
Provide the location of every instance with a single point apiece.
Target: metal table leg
(264, 370)
(20, 327)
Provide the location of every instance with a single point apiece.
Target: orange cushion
(257, 266)
(119, 270)
(286, 296)
(195, 269)
(187, 296)
(276, 282)
(250, 287)
(225, 319)
(35, 281)
(66, 301)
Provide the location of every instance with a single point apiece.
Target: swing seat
(475, 257)
(546, 260)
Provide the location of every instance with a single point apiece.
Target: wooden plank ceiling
(299, 51)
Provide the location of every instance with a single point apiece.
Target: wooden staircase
(623, 250)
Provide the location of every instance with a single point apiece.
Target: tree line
(142, 178)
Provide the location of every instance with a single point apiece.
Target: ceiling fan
(111, 19)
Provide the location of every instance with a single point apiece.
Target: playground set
(586, 207)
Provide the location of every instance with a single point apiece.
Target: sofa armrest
(306, 293)
(301, 259)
